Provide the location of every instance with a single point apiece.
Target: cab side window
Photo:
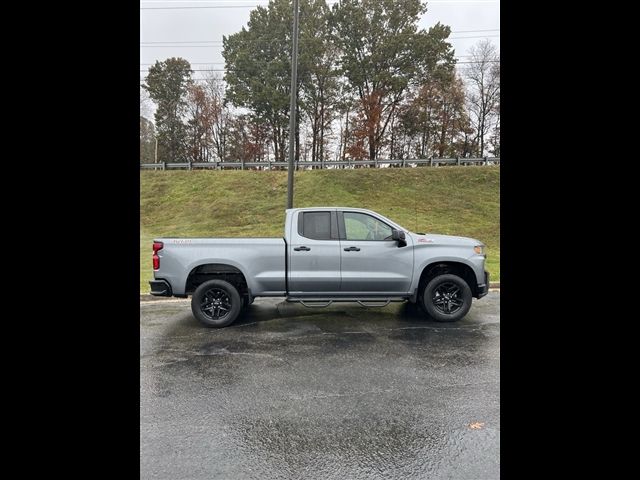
(360, 226)
(315, 225)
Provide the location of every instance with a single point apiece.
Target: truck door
(314, 253)
(371, 260)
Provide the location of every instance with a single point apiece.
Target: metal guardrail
(431, 162)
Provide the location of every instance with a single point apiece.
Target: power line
(201, 7)
(203, 70)
(329, 2)
(191, 63)
(223, 63)
(226, 70)
(483, 61)
(474, 36)
(187, 46)
(176, 44)
(168, 43)
(474, 31)
(194, 41)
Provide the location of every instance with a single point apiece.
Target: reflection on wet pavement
(341, 392)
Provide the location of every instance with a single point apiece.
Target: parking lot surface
(342, 392)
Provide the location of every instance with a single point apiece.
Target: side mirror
(399, 236)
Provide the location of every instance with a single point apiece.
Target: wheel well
(440, 268)
(216, 271)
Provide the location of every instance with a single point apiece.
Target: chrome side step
(310, 302)
(374, 305)
(314, 306)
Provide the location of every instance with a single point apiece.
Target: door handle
(352, 249)
(303, 248)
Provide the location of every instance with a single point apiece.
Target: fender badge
(425, 240)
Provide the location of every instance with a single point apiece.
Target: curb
(145, 297)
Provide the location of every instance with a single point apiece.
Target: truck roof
(328, 208)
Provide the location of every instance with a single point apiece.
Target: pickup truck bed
(262, 260)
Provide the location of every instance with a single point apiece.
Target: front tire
(216, 303)
(446, 298)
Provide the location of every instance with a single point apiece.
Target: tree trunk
(322, 125)
(314, 138)
(346, 136)
(481, 137)
(393, 138)
(372, 147)
(321, 155)
(443, 138)
(275, 144)
(313, 141)
(283, 145)
(297, 152)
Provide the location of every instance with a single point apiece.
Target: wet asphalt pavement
(288, 392)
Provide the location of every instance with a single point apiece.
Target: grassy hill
(449, 200)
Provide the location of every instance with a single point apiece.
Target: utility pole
(155, 155)
(292, 110)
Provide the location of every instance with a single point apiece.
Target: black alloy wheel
(216, 303)
(446, 298)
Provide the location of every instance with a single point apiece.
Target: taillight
(157, 246)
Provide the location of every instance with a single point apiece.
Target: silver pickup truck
(328, 254)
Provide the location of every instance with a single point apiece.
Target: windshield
(395, 225)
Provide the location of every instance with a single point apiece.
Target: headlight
(479, 249)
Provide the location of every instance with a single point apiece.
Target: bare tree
(208, 119)
(483, 77)
(199, 118)
(219, 125)
(146, 107)
(147, 141)
(495, 137)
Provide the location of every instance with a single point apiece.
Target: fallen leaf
(476, 425)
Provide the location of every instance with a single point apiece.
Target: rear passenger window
(316, 225)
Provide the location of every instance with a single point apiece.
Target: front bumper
(483, 289)
(160, 288)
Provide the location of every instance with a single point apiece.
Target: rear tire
(216, 303)
(446, 298)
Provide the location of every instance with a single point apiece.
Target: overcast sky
(195, 33)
